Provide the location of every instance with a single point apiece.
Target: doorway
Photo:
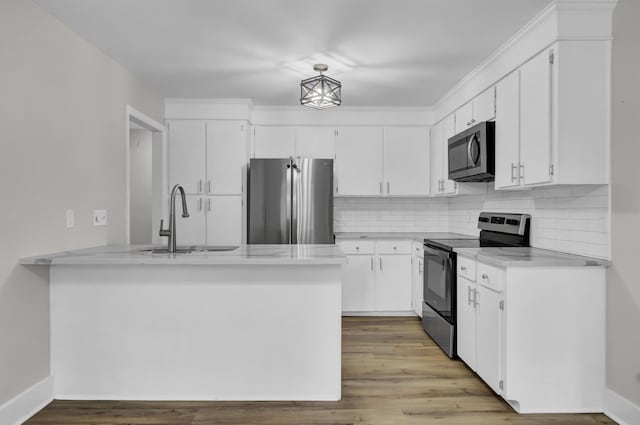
(146, 172)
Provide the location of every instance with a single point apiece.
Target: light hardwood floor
(392, 374)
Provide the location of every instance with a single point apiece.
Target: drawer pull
(463, 268)
(484, 276)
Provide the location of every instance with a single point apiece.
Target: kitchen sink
(192, 248)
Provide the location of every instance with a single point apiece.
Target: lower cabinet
(524, 331)
(213, 220)
(377, 276)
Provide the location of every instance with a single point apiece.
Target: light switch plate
(99, 217)
(70, 219)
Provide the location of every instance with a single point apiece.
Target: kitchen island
(260, 322)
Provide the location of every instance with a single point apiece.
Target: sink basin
(190, 249)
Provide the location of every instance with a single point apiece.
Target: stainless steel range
(440, 262)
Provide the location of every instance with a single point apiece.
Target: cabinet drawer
(467, 268)
(393, 247)
(491, 277)
(356, 247)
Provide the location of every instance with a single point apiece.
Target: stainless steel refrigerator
(290, 201)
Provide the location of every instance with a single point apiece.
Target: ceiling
(385, 52)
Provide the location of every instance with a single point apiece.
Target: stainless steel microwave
(472, 154)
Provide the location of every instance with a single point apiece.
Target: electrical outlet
(99, 217)
(70, 219)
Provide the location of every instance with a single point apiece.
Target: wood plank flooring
(392, 374)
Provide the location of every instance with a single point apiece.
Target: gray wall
(62, 121)
(623, 278)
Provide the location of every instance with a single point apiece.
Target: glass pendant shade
(320, 92)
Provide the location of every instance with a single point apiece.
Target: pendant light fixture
(320, 92)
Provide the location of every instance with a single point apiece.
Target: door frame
(160, 167)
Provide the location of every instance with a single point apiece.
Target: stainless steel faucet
(171, 231)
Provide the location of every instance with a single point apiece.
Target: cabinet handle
(371, 263)
(200, 204)
(420, 267)
(200, 186)
(380, 263)
(209, 186)
(473, 120)
(521, 173)
(484, 276)
(475, 298)
(469, 295)
(209, 205)
(381, 192)
(513, 172)
(468, 123)
(463, 268)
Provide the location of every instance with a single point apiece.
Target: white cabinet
(213, 220)
(439, 157)
(207, 157)
(480, 108)
(417, 278)
(187, 155)
(524, 331)
(274, 141)
(315, 142)
(377, 276)
(286, 141)
(547, 130)
(359, 161)
(406, 161)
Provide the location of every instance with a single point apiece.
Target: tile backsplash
(573, 219)
(391, 214)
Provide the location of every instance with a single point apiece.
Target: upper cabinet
(358, 166)
(551, 125)
(439, 157)
(372, 161)
(406, 161)
(206, 157)
(286, 141)
(479, 109)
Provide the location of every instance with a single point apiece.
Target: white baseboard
(620, 409)
(26, 404)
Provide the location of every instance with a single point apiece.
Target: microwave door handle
(472, 140)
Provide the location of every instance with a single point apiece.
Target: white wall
(623, 279)
(141, 161)
(62, 115)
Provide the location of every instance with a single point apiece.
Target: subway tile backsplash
(573, 219)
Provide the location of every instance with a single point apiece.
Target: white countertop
(244, 254)
(529, 257)
(417, 236)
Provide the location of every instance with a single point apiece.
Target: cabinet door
(507, 134)
(358, 283)
(358, 166)
(484, 106)
(535, 119)
(186, 155)
(225, 148)
(224, 220)
(406, 161)
(393, 283)
(417, 284)
(449, 186)
(190, 230)
(436, 161)
(489, 323)
(466, 321)
(274, 142)
(464, 117)
(315, 142)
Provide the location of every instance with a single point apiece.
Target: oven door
(439, 281)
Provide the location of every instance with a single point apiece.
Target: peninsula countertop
(529, 257)
(243, 254)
